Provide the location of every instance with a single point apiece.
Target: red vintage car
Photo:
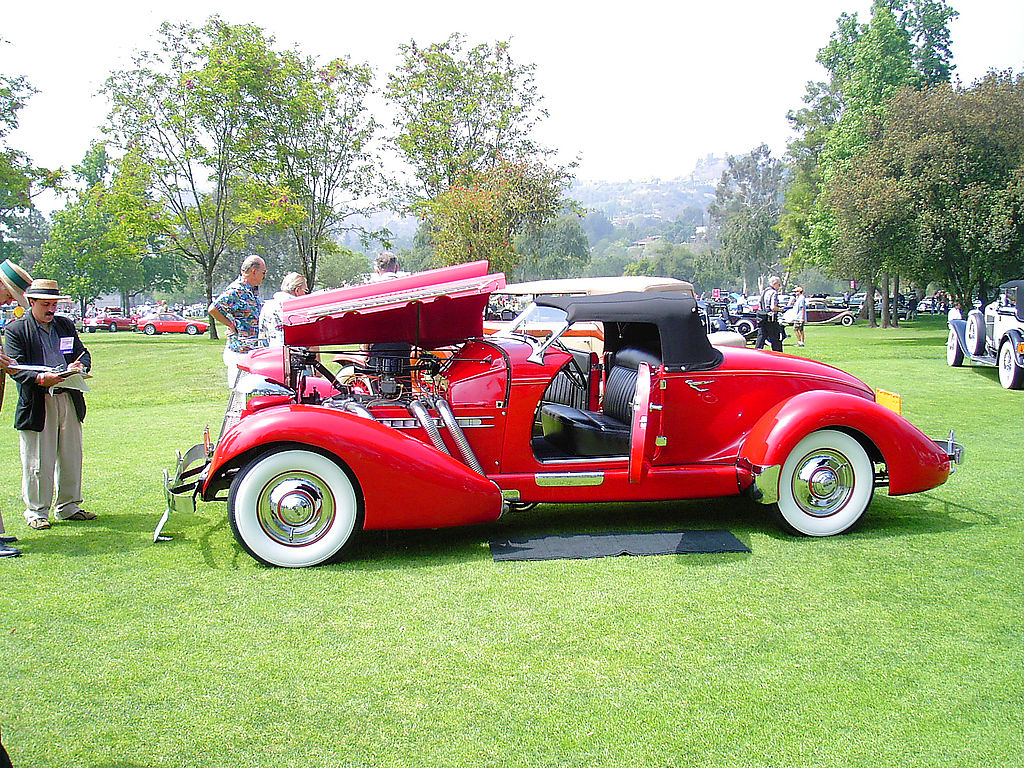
(307, 462)
(108, 321)
(169, 322)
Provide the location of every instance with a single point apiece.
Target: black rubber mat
(585, 545)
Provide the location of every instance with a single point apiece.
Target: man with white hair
(770, 329)
(238, 310)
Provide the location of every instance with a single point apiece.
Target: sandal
(39, 524)
(79, 514)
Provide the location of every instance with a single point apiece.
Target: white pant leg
(38, 463)
(69, 458)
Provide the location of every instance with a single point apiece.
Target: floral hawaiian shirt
(241, 302)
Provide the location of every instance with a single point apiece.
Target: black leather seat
(577, 432)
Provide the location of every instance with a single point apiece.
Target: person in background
(238, 310)
(386, 267)
(272, 317)
(770, 329)
(955, 313)
(13, 282)
(48, 417)
(800, 314)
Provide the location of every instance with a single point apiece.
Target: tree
(664, 259)
(481, 219)
(193, 109)
(20, 180)
(959, 152)
(748, 203)
(461, 113)
(340, 266)
(107, 238)
(557, 249)
(321, 134)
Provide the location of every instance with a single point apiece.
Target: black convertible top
(666, 324)
(1017, 285)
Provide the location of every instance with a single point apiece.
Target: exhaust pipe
(458, 435)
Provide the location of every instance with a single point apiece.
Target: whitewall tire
(954, 354)
(294, 508)
(1011, 374)
(826, 484)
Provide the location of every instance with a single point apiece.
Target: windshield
(525, 323)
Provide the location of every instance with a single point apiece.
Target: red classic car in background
(108, 320)
(305, 463)
(169, 322)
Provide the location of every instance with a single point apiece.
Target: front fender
(914, 462)
(1016, 338)
(405, 483)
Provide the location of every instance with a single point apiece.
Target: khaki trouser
(53, 456)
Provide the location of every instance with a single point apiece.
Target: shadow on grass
(387, 550)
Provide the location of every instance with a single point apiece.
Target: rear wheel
(975, 333)
(826, 484)
(293, 508)
(1011, 373)
(847, 320)
(113, 327)
(745, 327)
(954, 354)
(149, 330)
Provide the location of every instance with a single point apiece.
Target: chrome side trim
(564, 479)
(510, 495)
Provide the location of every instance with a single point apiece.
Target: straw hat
(45, 289)
(16, 281)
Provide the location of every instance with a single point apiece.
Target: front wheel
(149, 330)
(191, 330)
(974, 333)
(113, 327)
(847, 320)
(293, 508)
(1011, 373)
(954, 354)
(826, 485)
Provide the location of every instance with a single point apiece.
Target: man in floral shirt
(238, 310)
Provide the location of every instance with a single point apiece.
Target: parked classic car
(512, 420)
(110, 321)
(540, 322)
(169, 322)
(993, 337)
(820, 312)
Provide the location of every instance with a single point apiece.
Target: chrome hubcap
(823, 482)
(296, 508)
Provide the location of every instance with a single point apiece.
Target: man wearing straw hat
(13, 282)
(48, 417)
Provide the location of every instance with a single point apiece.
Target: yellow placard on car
(889, 400)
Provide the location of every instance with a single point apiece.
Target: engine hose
(458, 435)
(419, 411)
(358, 410)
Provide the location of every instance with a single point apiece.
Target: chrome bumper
(954, 451)
(188, 475)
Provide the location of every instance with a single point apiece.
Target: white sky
(637, 89)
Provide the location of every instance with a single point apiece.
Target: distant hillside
(622, 201)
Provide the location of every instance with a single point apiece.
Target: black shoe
(6, 551)
(8, 539)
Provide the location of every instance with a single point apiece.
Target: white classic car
(994, 337)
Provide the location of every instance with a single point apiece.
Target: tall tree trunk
(885, 299)
(896, 300)
(869, 301)
(209, 300)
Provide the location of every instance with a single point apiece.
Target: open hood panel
(428, 309)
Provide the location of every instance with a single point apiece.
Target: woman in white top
(271, 316)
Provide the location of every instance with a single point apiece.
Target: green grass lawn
(899, 644)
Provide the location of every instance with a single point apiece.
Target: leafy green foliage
(745, 213)
(460, 112)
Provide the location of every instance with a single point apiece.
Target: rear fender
(913, 460)
(405, 483)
